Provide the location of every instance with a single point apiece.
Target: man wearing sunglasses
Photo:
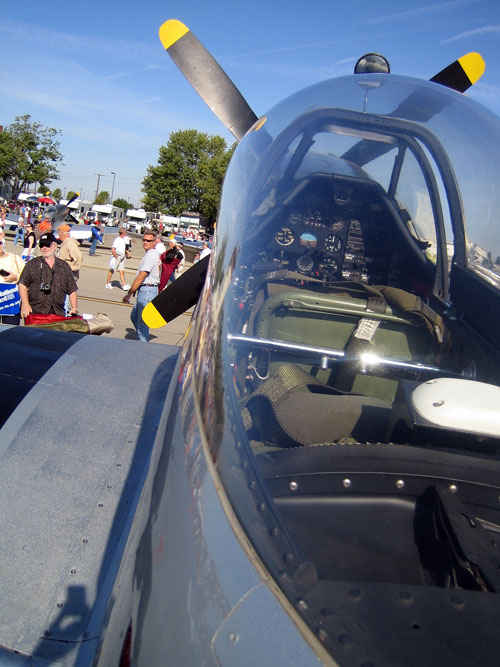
(46, 281)
(145, 284)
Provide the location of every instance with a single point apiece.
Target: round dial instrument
(284, 236)
(305, 263)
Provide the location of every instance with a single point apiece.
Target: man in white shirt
(117, 261)
(204, 251)
(145, 284)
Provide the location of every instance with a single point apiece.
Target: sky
(97, 71)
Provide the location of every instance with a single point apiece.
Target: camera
(45, 287)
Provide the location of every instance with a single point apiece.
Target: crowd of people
(43, 280)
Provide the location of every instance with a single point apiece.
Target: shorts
(117, 264)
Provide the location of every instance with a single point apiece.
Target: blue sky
(97, 70)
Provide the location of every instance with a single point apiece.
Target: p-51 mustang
(314, 477)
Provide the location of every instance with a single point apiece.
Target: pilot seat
(305, 403)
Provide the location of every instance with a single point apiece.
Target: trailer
(136, 219)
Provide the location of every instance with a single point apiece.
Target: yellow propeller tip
(473, 65)
(152, 318)
(171, 31)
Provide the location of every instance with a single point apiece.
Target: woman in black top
(29, 243)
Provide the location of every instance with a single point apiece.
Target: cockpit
(354, 312)
(331, 306)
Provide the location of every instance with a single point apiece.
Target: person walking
(117, 261)
(20, 228)
(45, 282)
(11, 267)
(145, 285)
(96, 236)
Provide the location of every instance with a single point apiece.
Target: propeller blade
(207, 77)
(463, 73)
(469, 67)
(61, 210)
(177, 297)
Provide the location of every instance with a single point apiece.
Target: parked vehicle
(136, 220)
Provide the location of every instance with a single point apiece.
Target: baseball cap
(46, 240)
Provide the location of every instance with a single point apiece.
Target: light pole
(113, 186)
(98, 181)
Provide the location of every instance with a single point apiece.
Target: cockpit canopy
(354, 216)
(411, 151)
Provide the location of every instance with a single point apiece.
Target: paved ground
(93, 297)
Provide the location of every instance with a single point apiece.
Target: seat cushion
(310, 418)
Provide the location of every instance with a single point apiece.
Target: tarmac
(94, 298)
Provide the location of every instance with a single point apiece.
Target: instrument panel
(328, 249)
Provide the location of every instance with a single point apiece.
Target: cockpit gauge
(305, 263)
(329, 265)
(284, 236)
(308, 240)
(332, 243)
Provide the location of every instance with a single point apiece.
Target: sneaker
(109, 286)
(125, 288)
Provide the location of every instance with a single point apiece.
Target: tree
(7, 158)
(57, 194)
(122, 203)
(102, 197)
(189, 174)
(70, 194)
(212, 174)
(29, 153)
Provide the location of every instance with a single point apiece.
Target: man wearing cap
(45, 282)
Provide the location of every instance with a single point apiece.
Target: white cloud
(347, 61)
(38, 36)
(284, 49)
(487, 29)
(419, 11)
